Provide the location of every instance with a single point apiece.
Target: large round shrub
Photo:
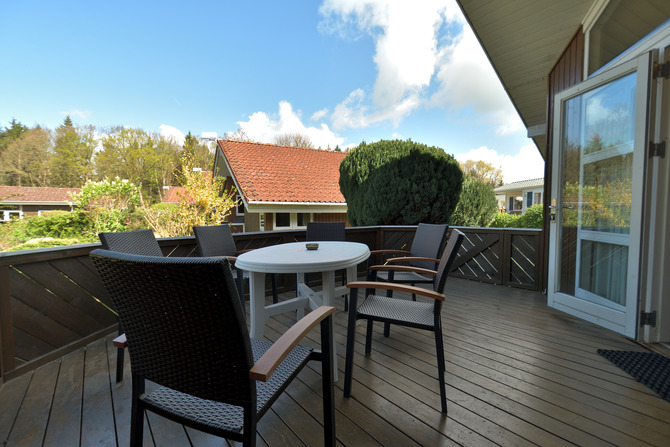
(477, 205)
(394, 182)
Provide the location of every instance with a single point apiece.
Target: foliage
(394, 182)
(108, 203)
(199, 153)
(52, 224)
(531, 219)
(11, 133)
(203, 202)
(294, 140)
(483, 171)
(505, 220)
(72, 161)
(477, 205)
(26, 160)
(44, 243)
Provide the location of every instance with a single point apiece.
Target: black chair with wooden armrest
(402, 312)
(327, 231)
(423, 254)
(217, 240)
(138, 242)
(186, 332)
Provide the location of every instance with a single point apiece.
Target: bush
(533, 217)
(44, 243)
(504, 220)
(477, 205)
(55, 224)
(399, 183)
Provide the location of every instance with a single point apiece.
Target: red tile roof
(35, 194)
(271, 173)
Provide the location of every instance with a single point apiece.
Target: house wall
(568, 71)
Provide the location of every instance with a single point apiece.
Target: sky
(339, 71)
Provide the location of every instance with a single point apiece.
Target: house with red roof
(21, 201)
(281, 187)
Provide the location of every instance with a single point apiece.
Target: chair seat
(389, 310)
(404, 277)
(216, 415)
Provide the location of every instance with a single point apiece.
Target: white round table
(295, 258)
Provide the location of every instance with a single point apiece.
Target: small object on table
(312, 246)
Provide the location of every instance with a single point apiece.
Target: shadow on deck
(518, 373)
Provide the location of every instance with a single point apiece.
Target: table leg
(257, 313)
(328, 295)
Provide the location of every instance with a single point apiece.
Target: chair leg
(351, 334)
(440, 367)
(387, 329)
(120, 354)
(327, 382)
(275, 297)
(136, 413)
(368, 338)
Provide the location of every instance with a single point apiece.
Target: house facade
(590, 80)
(280, 187)
(17, 202)
(517, 197)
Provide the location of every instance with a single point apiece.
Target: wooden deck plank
(97, 421)
(518, 374)
(65, 420)
(11, 398)
(31, 421)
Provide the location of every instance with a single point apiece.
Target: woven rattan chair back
(325, 231)
(449, 255)
(139, 242)
(183, 321)
(215, 240)
(427, 243)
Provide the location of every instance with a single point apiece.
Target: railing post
(6, 332)
(506, 258)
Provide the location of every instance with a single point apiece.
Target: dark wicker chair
(423, 253)
(139, 242)
(186, 332)
(403, 312)
(327, 231)
(217, 240)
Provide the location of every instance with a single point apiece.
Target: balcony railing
(52, 301)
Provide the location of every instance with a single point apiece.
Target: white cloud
(172, 132)
(77, 114)
(419, 63)
(525, 165)
(263, 128)
(319, 115)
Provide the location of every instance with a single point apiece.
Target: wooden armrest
(239, 252)
(403, 268)
(382, 251)
(413, 258)
(120, 341)
(396, 286)
(269, 361)
(231, 258)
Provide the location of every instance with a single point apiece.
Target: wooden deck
(518, 374)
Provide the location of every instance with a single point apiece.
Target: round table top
(295, 258)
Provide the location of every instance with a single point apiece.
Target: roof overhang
(36, 203)
(523, 40)
(295, 207)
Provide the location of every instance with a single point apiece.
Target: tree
(238, 135)
(204, 201)
(483, 171)
(135, 155)
(477, 205)
(26, 161)
(108, 203)
(294, 140)
(199, 153)
(72, 162)
(399, 183)
(7, 135)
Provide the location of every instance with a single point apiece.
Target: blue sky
(339, 71)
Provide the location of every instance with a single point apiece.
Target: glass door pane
(598, 136)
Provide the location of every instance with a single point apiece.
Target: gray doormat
(648, 368)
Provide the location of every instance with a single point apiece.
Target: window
(538, 198)
(529, 199)
(282, 220)
(240, 205)
(291, 220)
